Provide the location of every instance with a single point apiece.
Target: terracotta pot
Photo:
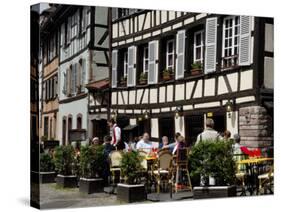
(166, 77)
(196, 71)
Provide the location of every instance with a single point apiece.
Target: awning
(129, 127)
(102, 84)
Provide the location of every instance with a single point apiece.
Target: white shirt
(144, 145)
(208, 134)
(117, 131)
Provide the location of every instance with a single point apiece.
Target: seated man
(144, 144)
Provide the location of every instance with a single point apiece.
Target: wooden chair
(181, 171)
(241, 172)
(115, 163)
(163, 169)
(266, 181)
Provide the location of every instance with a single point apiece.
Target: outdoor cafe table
(251, 165)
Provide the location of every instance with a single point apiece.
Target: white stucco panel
(179, 92)
(209, 89)
(246, 81)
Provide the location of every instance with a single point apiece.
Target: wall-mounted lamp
(229, 108)
(114, 114)
(178, 111)
(146, 114)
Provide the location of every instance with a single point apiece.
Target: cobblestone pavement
(53, 197)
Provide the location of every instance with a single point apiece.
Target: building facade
(171, 70)
(50, 66)
(81, 62)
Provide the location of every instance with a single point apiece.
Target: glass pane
(230, 23)
(170, 47)
(225, 53)
(170, 60)
(198, 54)
(226, 23)
(236, 30)
(198, 39)
(235, 40)
(236, 20)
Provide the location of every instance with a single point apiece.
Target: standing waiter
(115, 132)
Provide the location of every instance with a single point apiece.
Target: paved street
(54, 197)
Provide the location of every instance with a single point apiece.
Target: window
(79, 122)
(125, 64)
(46, 126)
(198, 47)
(170, 54)
(69, 126)
(64, 131)
(145, 59)
(230, 41)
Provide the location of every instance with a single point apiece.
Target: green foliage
(46, 163)
(196, 65)
(167, 72)
(143, 76)
(92, 161)
(131, 167)
(64, 159)
(124, 79)
(213, 158)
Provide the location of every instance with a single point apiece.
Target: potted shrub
(166, 74)
(66, 166)
(132, 190)
(212, 162)
(92, 165)
(123, 80)
(47, 169)
(196, 68)
(143, 78)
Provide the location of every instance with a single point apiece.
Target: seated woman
(165, 144)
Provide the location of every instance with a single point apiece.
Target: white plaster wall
(269, 72)
(246, 80)
(73, 108)
(63, 68)
(153, 95)
(179, 92)
(269, 38)
(222, 86)
(179, 125)
(209, 89)
(154, 128)
(232, 122)
(198, 90)
(170, 93)
(162, 94)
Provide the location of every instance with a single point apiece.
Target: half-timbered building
(171, 70)
(50, 64)
(81, 61)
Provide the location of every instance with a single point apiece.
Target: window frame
(233, 45)
(125, 64)
(170, 53)
(201, 46)
(145, 59)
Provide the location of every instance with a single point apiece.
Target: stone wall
(255, 127)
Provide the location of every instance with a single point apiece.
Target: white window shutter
(211, 45)
(152, 62)
(245, 40)
(180, 49)
(131, 79)
(114, 68)
(83, 77)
